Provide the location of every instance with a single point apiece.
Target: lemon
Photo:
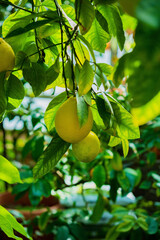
(87, 149)
(67, 123)
(7, 57)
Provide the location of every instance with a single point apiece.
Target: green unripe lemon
(87, 149)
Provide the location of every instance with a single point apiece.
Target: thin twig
(15, 6)
(62, 49)
(35, 32)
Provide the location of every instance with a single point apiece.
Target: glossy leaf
(3, 98)
(84, 14)
(63, 233)
(116, 162)
(52, 73)
(50, 157)
(112, 234)
(152, 225)
(142, 223)
(97, 37)
(125, 226)
(98, 209)
(27, 28)
(81, 52)
(112, 16)
(85, 78)
(104, 110)
(127, 127)
(11, 175)
(125, 147)
(8, 224)
(35, 75)
(15, 92)
(82, 110)
(102, 21)
(99, 175)
(49, 116)
(85, 41)
(114, 141)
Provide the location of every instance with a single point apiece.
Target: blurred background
(110, 198)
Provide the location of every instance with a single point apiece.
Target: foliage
(56, 44)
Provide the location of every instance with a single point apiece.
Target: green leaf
(53, 72)
(48, 29)
(116, 162)
(27, 28)
(99, 175)
(125, 147)
(84, 40)
(78, 231)
(49, 116)
(36, 76)
(85, 78)
(97, 37)
(3, 99)
(43, 220)
(47, 43)
(142, 223)
(152, 225)
(123, 181)
(82, 110)
(125, 226)
(112, 234)
(63, 233)
(53, 153)
(81, 51)
(102, 21)
(146, 184)
(98, 209)
(8, 223)
(11, 175)
(127, 127)
(133, 175)
(114, 141)
(21, 59)
(156, 177)
(112, 16)
(15, 92)
(105, 68)
(113, 189)
(119, 70)
(104, 110)
(96, 117)
(85, 14)
(30, 48)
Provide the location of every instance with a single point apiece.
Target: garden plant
(95, 147)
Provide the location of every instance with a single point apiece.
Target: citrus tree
(53, 43)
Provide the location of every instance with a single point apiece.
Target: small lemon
(67, 123)
(7, 57)
(87, 149)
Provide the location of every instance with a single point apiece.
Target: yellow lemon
(67, 123)
(87, 149)
(7, 57)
